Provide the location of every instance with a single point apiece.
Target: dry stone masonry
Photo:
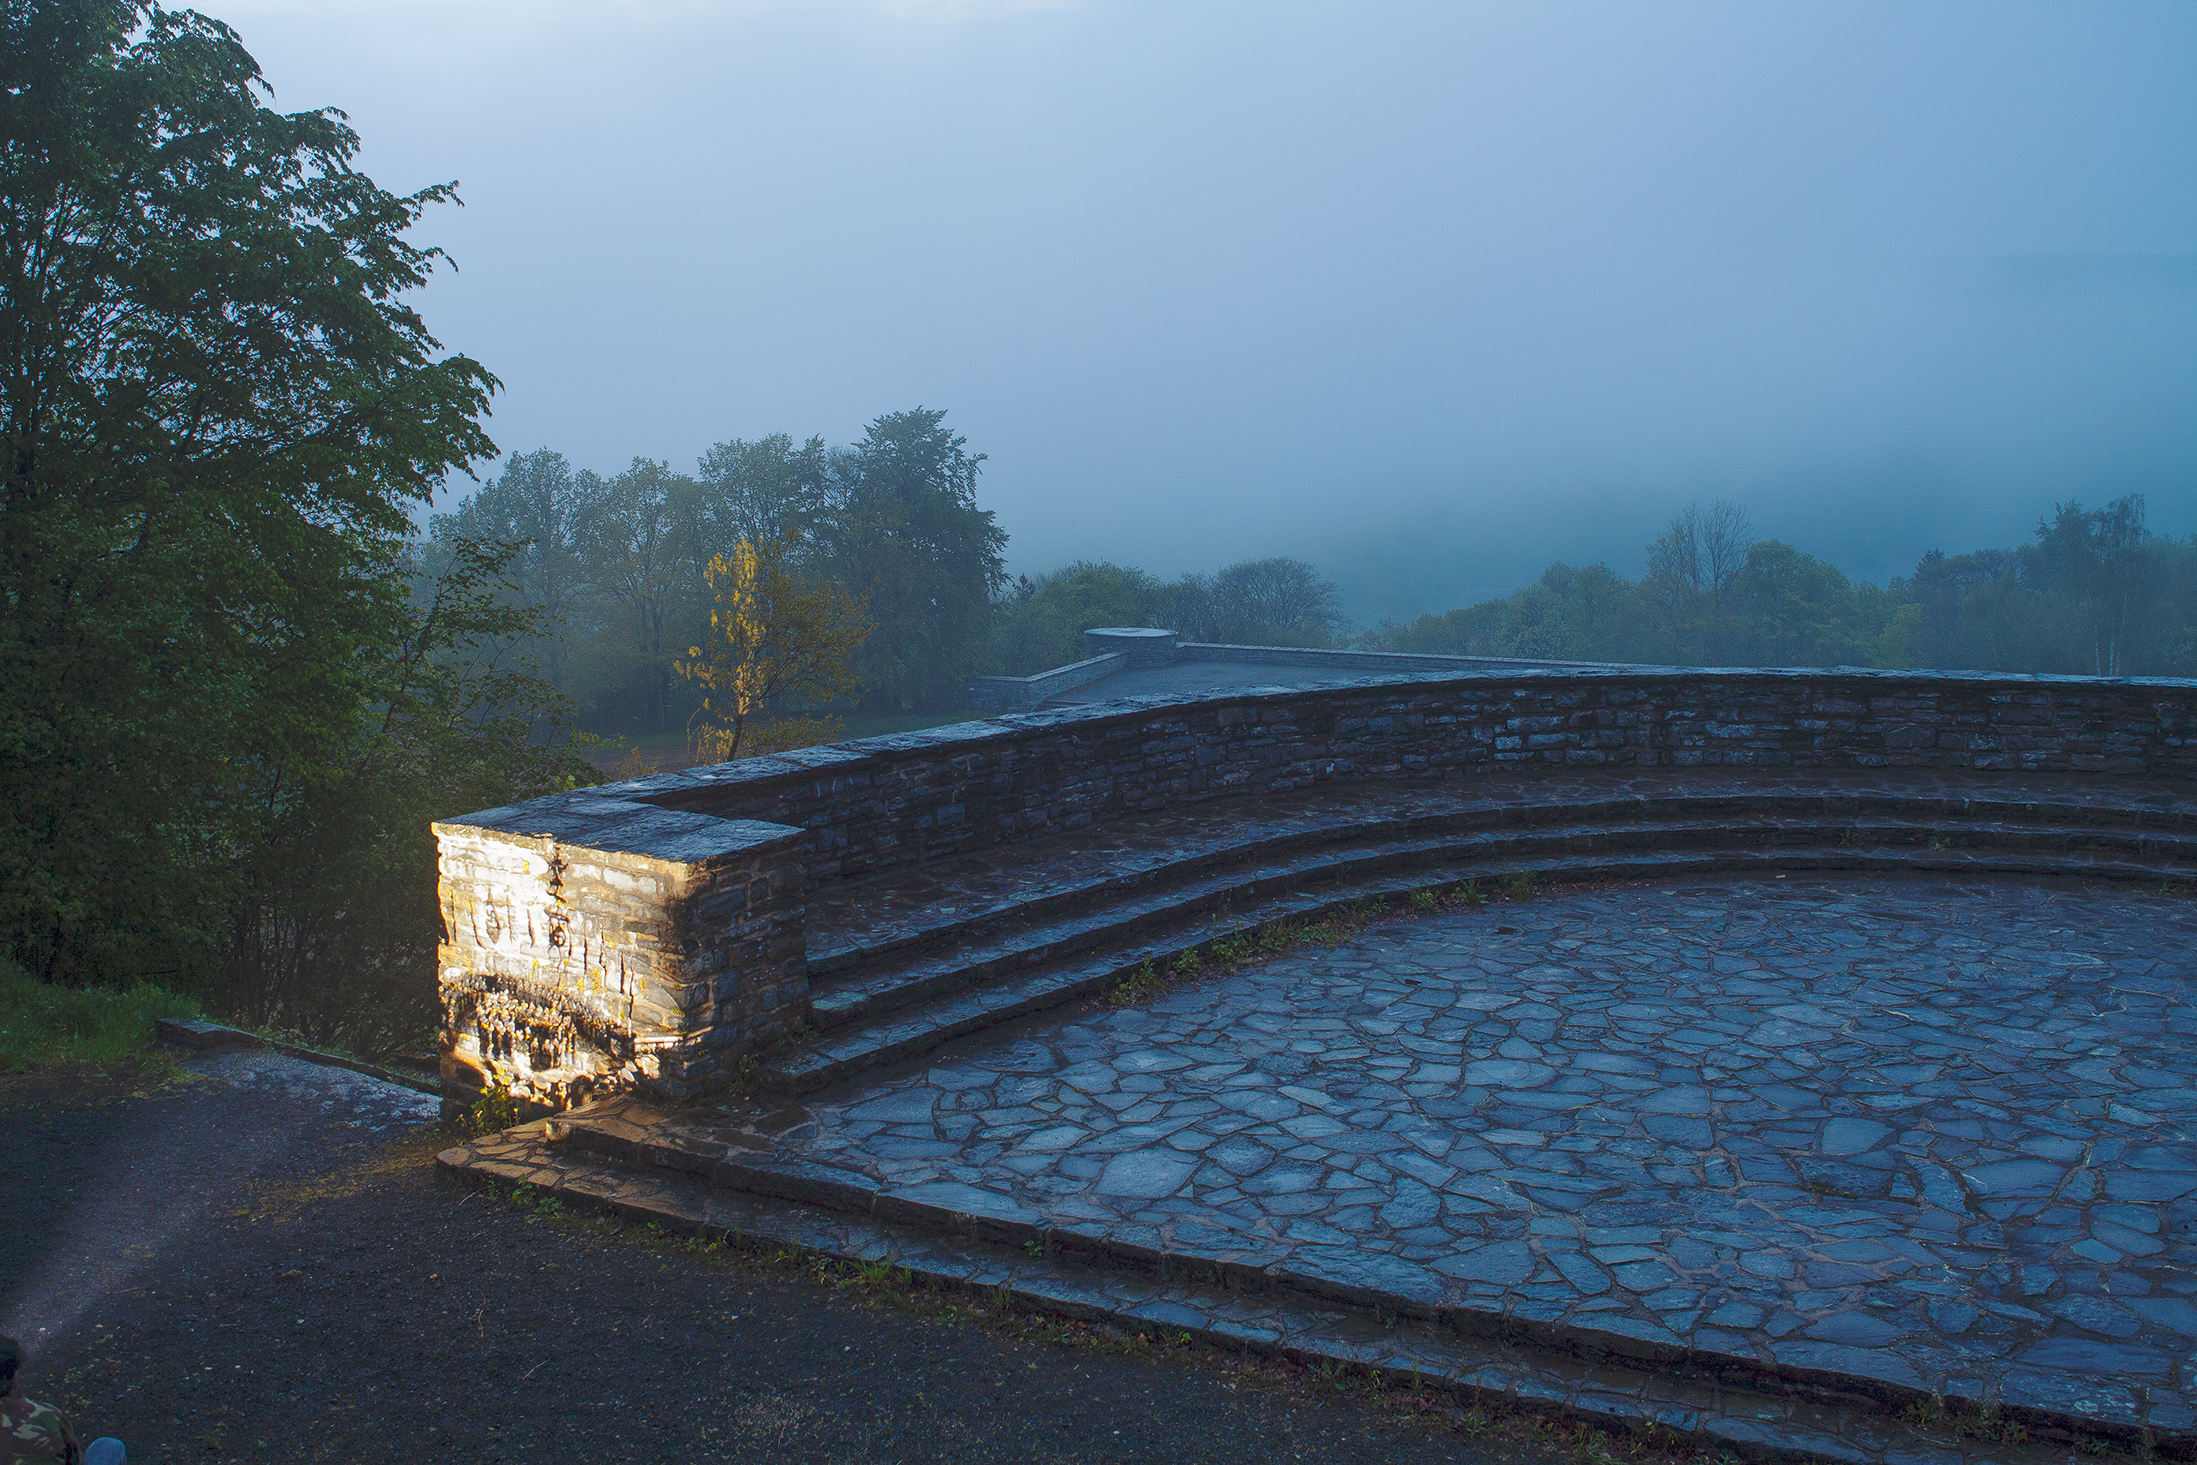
(645, 935)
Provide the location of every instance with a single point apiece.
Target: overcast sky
(1427, 294)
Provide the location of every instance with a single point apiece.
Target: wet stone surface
(1930, 1131)
(2025, 810)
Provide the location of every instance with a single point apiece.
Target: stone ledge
(1813, 1413)
(204, 1037)
(1357, 1282)
(213, 1037)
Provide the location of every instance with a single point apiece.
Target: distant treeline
(616, 568)
(2095, 593)
(1267, 602)
(617, 564)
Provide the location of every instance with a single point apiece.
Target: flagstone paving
(1931, 1131)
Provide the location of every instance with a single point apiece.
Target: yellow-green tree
(775, 634)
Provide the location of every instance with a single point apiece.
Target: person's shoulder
(35, 1432)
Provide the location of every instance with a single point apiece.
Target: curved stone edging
(634, 1139)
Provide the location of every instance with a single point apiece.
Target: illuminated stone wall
(612, 946)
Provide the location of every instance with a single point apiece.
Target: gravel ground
(262, 1265)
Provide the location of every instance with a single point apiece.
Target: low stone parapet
(1021, 694)
(646, 934)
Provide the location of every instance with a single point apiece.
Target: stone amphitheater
(1798, 1059)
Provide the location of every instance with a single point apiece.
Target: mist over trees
(618, 566)
(2096, 594)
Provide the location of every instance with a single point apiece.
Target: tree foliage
(901, 525)
(217, 411)
(1042, 620)
(774, 634)
(536, 509)
(2095, 593)
(334, 923)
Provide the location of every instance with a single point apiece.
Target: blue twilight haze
(1427, 294)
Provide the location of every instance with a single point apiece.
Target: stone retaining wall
(608, 945)
(679, 896)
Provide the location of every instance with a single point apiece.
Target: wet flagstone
(1931, 1131)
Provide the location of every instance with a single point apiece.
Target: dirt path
(263, 1266)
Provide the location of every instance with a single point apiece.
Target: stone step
(856, 927)
(628, 1156)
(1610, 1380)
(1062, 969)
(1044, 932)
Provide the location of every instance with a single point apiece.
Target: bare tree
(1703, 548)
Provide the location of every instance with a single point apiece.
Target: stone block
(204, 1037)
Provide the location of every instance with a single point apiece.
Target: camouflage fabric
(35, 1434)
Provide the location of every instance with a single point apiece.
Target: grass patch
(43, 1025)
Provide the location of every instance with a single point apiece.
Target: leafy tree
(217, 410)
(753, 492)
(1042, 624)
(1792, 609)
(535, 505)
(774, 635)
(900, 525)
(637, 535)
(1951, 594)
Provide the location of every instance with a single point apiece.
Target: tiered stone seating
(904, 962)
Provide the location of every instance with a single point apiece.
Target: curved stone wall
(881, 802)
(646, 933)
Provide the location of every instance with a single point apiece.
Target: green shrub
(42, 1023)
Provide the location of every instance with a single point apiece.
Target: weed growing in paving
(1980, 1424)
(1139, 985)
(492, 1113)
